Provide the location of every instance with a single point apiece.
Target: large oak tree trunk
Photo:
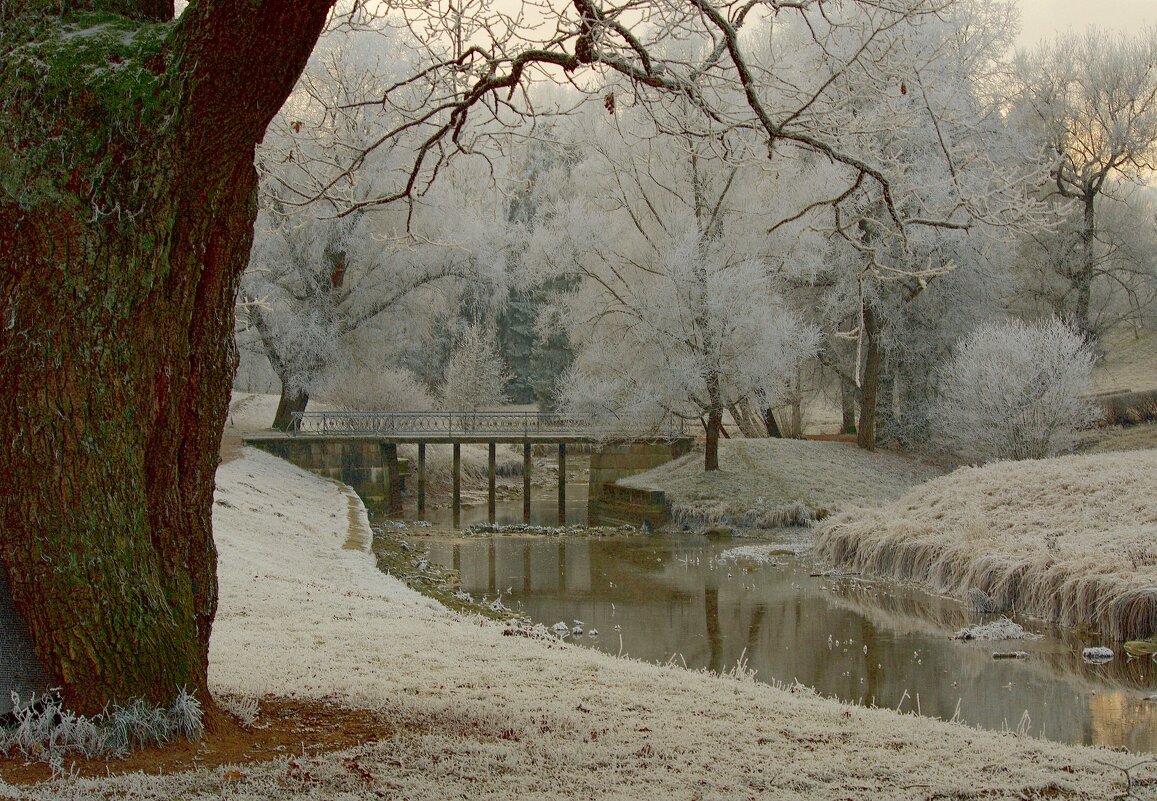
(117, 298)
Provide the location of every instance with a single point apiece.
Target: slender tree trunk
(797, 406)
(748, 423)
(771, 425)
(714, 424)
(117, 351)
(291, 400)
(847, 407)
(1083, 278)
(866, 436)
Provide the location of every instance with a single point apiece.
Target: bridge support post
(457, 484)
(421, 479)
(526, 482)
(562, 483)
(490, 473)
(392, 479)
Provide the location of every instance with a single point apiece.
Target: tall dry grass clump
(1071, 539)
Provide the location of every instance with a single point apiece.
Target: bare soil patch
(285, 727)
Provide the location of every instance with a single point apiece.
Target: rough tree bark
(293, 399)
(847, 406)
(772, 426)
(1082, 277)
(874, 357)
(714, 424)
(126, 216)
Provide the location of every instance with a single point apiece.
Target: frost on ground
(1068, 539)
(1130, 361)
(765, 483)
(480, 715)
(1002, 629)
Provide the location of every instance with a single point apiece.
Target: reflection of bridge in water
(331, 441)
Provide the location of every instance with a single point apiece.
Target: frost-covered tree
(369, 388)
(1123, 289)
(1016, 390)
(475, 375)
(1091, 98)
(960, 181)
(127, 199)
(675, 313)
(320, 281)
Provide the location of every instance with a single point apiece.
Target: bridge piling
(490, 471)
(457, 485)
(421, 479)
(526, 482)
(562, 483)
(392, 479)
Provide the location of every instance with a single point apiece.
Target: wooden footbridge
(332, 441)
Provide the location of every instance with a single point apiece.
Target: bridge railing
(450, 424)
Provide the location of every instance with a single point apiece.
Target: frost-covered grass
(1129, 363)
(45, 730)
(480, 715)
(766, 483)
(1069, 539)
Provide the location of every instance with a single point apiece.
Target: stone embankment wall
(610, 504)
(359, 464)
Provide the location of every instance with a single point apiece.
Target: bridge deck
(442, 438)
(473, 427)
(359, 444)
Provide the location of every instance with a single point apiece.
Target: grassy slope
(1071, 539)
(1130, 362)
(777, 476)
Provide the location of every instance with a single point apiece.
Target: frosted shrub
(1015, 391)
(375, 390)
(475, 376)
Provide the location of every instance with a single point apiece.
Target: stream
(712, 604)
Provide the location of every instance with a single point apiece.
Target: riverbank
(472, 708)
(766, 483)
(1069, 539)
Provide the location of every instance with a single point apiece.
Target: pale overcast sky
(1046, 18)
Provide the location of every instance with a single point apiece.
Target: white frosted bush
(375, 390)
(475, 376)
(1015, 390)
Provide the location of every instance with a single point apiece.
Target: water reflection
(661, 597)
